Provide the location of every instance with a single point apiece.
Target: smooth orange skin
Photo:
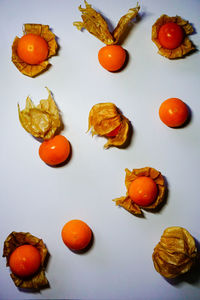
(170, 35)
(25, 260)
(143, 191)
(112, 58)
(173, 112)
(114, 132)
(76, 235)
(55, 151)
(32, 49)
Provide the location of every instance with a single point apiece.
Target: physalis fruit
(176, 252)
(76, 235)
(111, 58)
(173, 112)
(31, 52)
(26, 256)
(55, 151)
(43, 121)
(145, 190)
(170, 34)
(106, 120)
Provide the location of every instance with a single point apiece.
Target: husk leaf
(176, 252)
(104, 118)
(96, 24)
(43, 120)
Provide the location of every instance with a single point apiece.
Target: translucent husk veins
(43, 120)
(104, 118)
(176, 252)
(96, 24)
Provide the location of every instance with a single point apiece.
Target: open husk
(47, 34)
(176, 252)
(186, 46)
(104, 118)
(96, 24)
(16, 239)
(127, 203)
(43, 120)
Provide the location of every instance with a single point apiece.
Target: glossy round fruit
(25, 260)
(170, 35)
(114, 132)
(32, 49)
(55, 151)
(143, 191)
(76, 235)
(112, 58)
(173, 112)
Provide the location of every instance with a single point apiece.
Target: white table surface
(39, 199)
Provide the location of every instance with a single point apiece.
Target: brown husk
(16, 239)
(186, 45)
(104, 118)
(43, 120)
(176, 252)
(127, 203)
(96, 25)
(43, 31)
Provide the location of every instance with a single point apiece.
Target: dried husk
(176, 252)
(43, 120)
(104, 118)
(186, 46)
(96, 24)
(16, 239)
(127, 203)
(43, 31)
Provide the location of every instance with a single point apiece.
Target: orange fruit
(143, 191)
(170, 35)
(76, 235)
(173, 112)
(32, 49)
(114, 132)
(112, 58)
(25, 260)
(55, 151)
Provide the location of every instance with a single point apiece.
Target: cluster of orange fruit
(33, 50)
(26, 254)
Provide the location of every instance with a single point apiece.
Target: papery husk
(47, 34)
(13, 241)
(96, 24)
(176, 252)
(104, 118)
(43, 120)
(186, 46)
(127, 203)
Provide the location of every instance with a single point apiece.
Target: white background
(40, 199)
